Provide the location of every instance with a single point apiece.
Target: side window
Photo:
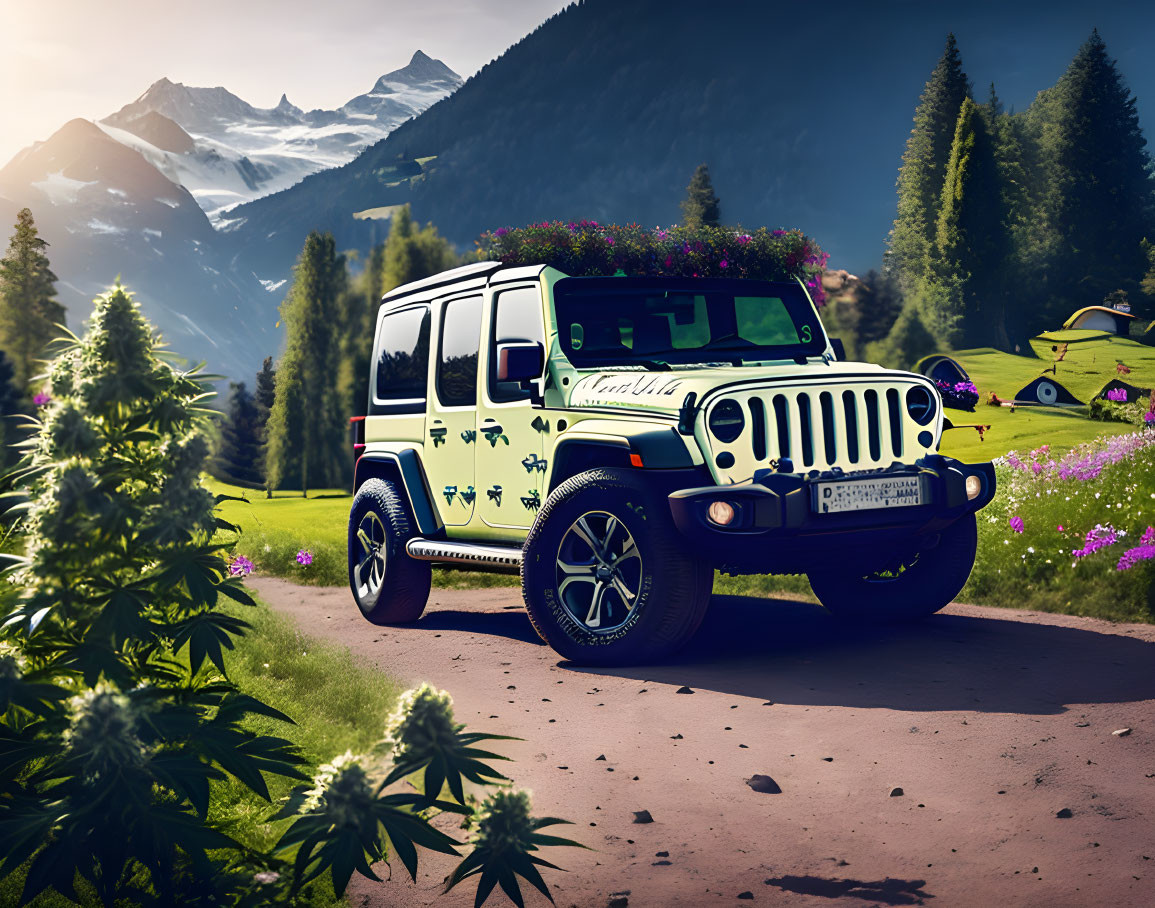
(402, 362)
(457, 362)
(517, 317)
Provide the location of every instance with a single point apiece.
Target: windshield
(659, 322)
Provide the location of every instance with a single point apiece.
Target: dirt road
(991, 722)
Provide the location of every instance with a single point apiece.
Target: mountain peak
(422, 69)
(286, 106)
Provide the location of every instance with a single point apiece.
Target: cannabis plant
(348, 818)
(116, 715)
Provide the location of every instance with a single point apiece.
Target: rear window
(402, 362)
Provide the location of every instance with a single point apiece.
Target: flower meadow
(582, 248)
(1072, 533)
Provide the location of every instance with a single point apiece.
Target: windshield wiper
(654, 365)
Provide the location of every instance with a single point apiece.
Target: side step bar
(464, 552)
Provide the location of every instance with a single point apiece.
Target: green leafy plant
(348, 818)
(117, 714)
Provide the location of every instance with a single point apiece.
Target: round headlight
(920, 404)
(727, 420)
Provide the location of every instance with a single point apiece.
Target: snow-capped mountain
(138, 195)
(226, 151)
(105, 211)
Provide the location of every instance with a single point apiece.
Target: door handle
(437, 422)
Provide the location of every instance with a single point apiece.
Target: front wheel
(388, 585)
(606, 577)
(913, 585)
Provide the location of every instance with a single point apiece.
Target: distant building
(1101, 318)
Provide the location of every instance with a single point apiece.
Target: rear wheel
(912, 585)
(606, 577)
(388, 586)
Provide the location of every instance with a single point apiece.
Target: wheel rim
(599, 572)
(370, 570)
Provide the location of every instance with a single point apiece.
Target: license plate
(867, 494)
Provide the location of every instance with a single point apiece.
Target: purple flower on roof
(609, 240)
(743, 239)
(723, 263)
(500, 231)
(778, 233)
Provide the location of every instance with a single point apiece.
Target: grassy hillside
(1089, 363)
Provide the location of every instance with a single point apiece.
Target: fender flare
(404, 468)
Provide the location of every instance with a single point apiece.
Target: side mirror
(839, 350)
(520, 362)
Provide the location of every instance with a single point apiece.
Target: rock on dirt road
(992, 722)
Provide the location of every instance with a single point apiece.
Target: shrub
(583, 248)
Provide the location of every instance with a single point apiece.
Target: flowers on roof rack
(587, 248)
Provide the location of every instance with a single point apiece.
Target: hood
(662, 393)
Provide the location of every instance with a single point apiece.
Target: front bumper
(778, 527)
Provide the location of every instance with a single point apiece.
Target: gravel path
(991, 723)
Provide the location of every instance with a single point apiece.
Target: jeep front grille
(813, 430)
(820, 427)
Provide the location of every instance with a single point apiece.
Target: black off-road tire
(927, 582)
(403, 589)
(673, 585)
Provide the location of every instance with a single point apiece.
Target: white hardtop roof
(474, 275)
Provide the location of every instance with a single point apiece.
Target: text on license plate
(867, 494)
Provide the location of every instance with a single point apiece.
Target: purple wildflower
(1132, 557)
(1119, 395)
(1098, 538)
(304, 557)
(240, 567)
(42, 399)
(1148, 537)
(500, 231)
(723, 263)
(744, 238)
(609, 240)
(1017, 524)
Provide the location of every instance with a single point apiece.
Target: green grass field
(1090, 362)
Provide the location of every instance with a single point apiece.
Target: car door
(510, 430)
(451, 423)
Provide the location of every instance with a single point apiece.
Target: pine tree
(12, 409)
(29, 312)
(1099, 203)
(263, 397)
(972, 242)
(923, 171)
(909, 340)
(879, 305)
(701, 205)
(240, 452)
(306, 428)
(360, 304)
(412, 252)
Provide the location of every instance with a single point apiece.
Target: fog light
(721, 513)
(974, 487)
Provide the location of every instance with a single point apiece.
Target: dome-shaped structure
(1045, 390)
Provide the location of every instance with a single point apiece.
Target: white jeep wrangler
(617, 439)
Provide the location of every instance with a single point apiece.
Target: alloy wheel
(599, 571)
